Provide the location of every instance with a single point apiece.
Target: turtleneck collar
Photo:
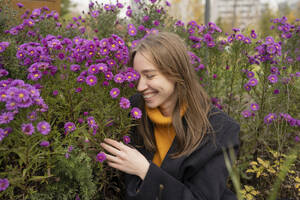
(158, 118)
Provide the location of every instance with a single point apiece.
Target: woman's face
(157, 90)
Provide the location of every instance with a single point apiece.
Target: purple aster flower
(101, 157)
(4, 183)
(107, 7)
(252, 82)
(70, 148)
(27, 129)
(3, 72)
(239, 37)
(271, 49)
(253, 34)
(269, 40)
(250, 74)
(35, 75)
(297, 138)
(132, 31)
(32, 116)
(3, 46)
(276, 91)
(254, 107)
(130, 76)
(67, 155)
(69, 127)
(7, 130)
(136, 113)
(20, 5)
(55, 93)
(124, 103)
(80, 120)
(146, 18)
(93, 69)
(109, 75)
(114, 92)
(78, 90)
(95, 13)
(80, 79)
(91, 80)
(75, 67)
(247, 40)
(129, 13)
(44, 143)
(103, 42)
(119, 78)
(274, 70)
(43, 127)
(156, 23)
(246, 113)
(6, 117)
(91, 122)
(102, 67)
(273, 78)
(211, 44)
(126, 139)
(104, 51)
(270, 118)
(111, 62)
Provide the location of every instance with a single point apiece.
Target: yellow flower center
(21, 95)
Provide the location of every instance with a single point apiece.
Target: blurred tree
(264, 22)
(285, 10)
(188, 10)
(195, 8)
(66, 5)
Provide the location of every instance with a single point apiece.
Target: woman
(181, 137)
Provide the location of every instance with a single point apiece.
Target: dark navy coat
(200, 176)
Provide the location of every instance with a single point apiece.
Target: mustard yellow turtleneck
(163, 131)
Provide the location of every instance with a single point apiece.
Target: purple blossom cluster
(4, 183)
(250, 112)
(30, 19)
(268, 51)
(284, 28)
(201, 35)
(3, 46)
(16, 95)
(237, 36)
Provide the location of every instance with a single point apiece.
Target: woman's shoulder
(224, 128)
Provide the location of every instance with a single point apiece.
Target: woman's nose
(142, 85)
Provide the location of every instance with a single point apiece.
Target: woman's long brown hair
(168, 52)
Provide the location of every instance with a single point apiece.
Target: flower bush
(65, 86)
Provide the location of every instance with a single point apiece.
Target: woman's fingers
(113, 159)
(116, 144)
(111, 149)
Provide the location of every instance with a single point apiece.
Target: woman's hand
(126, 159)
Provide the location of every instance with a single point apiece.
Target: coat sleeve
(204, 174)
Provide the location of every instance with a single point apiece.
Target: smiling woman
(180, 138)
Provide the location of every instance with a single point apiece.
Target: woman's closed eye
(150, 76)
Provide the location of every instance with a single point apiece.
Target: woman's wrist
(144, 171)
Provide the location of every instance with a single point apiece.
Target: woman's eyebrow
(149, 70)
